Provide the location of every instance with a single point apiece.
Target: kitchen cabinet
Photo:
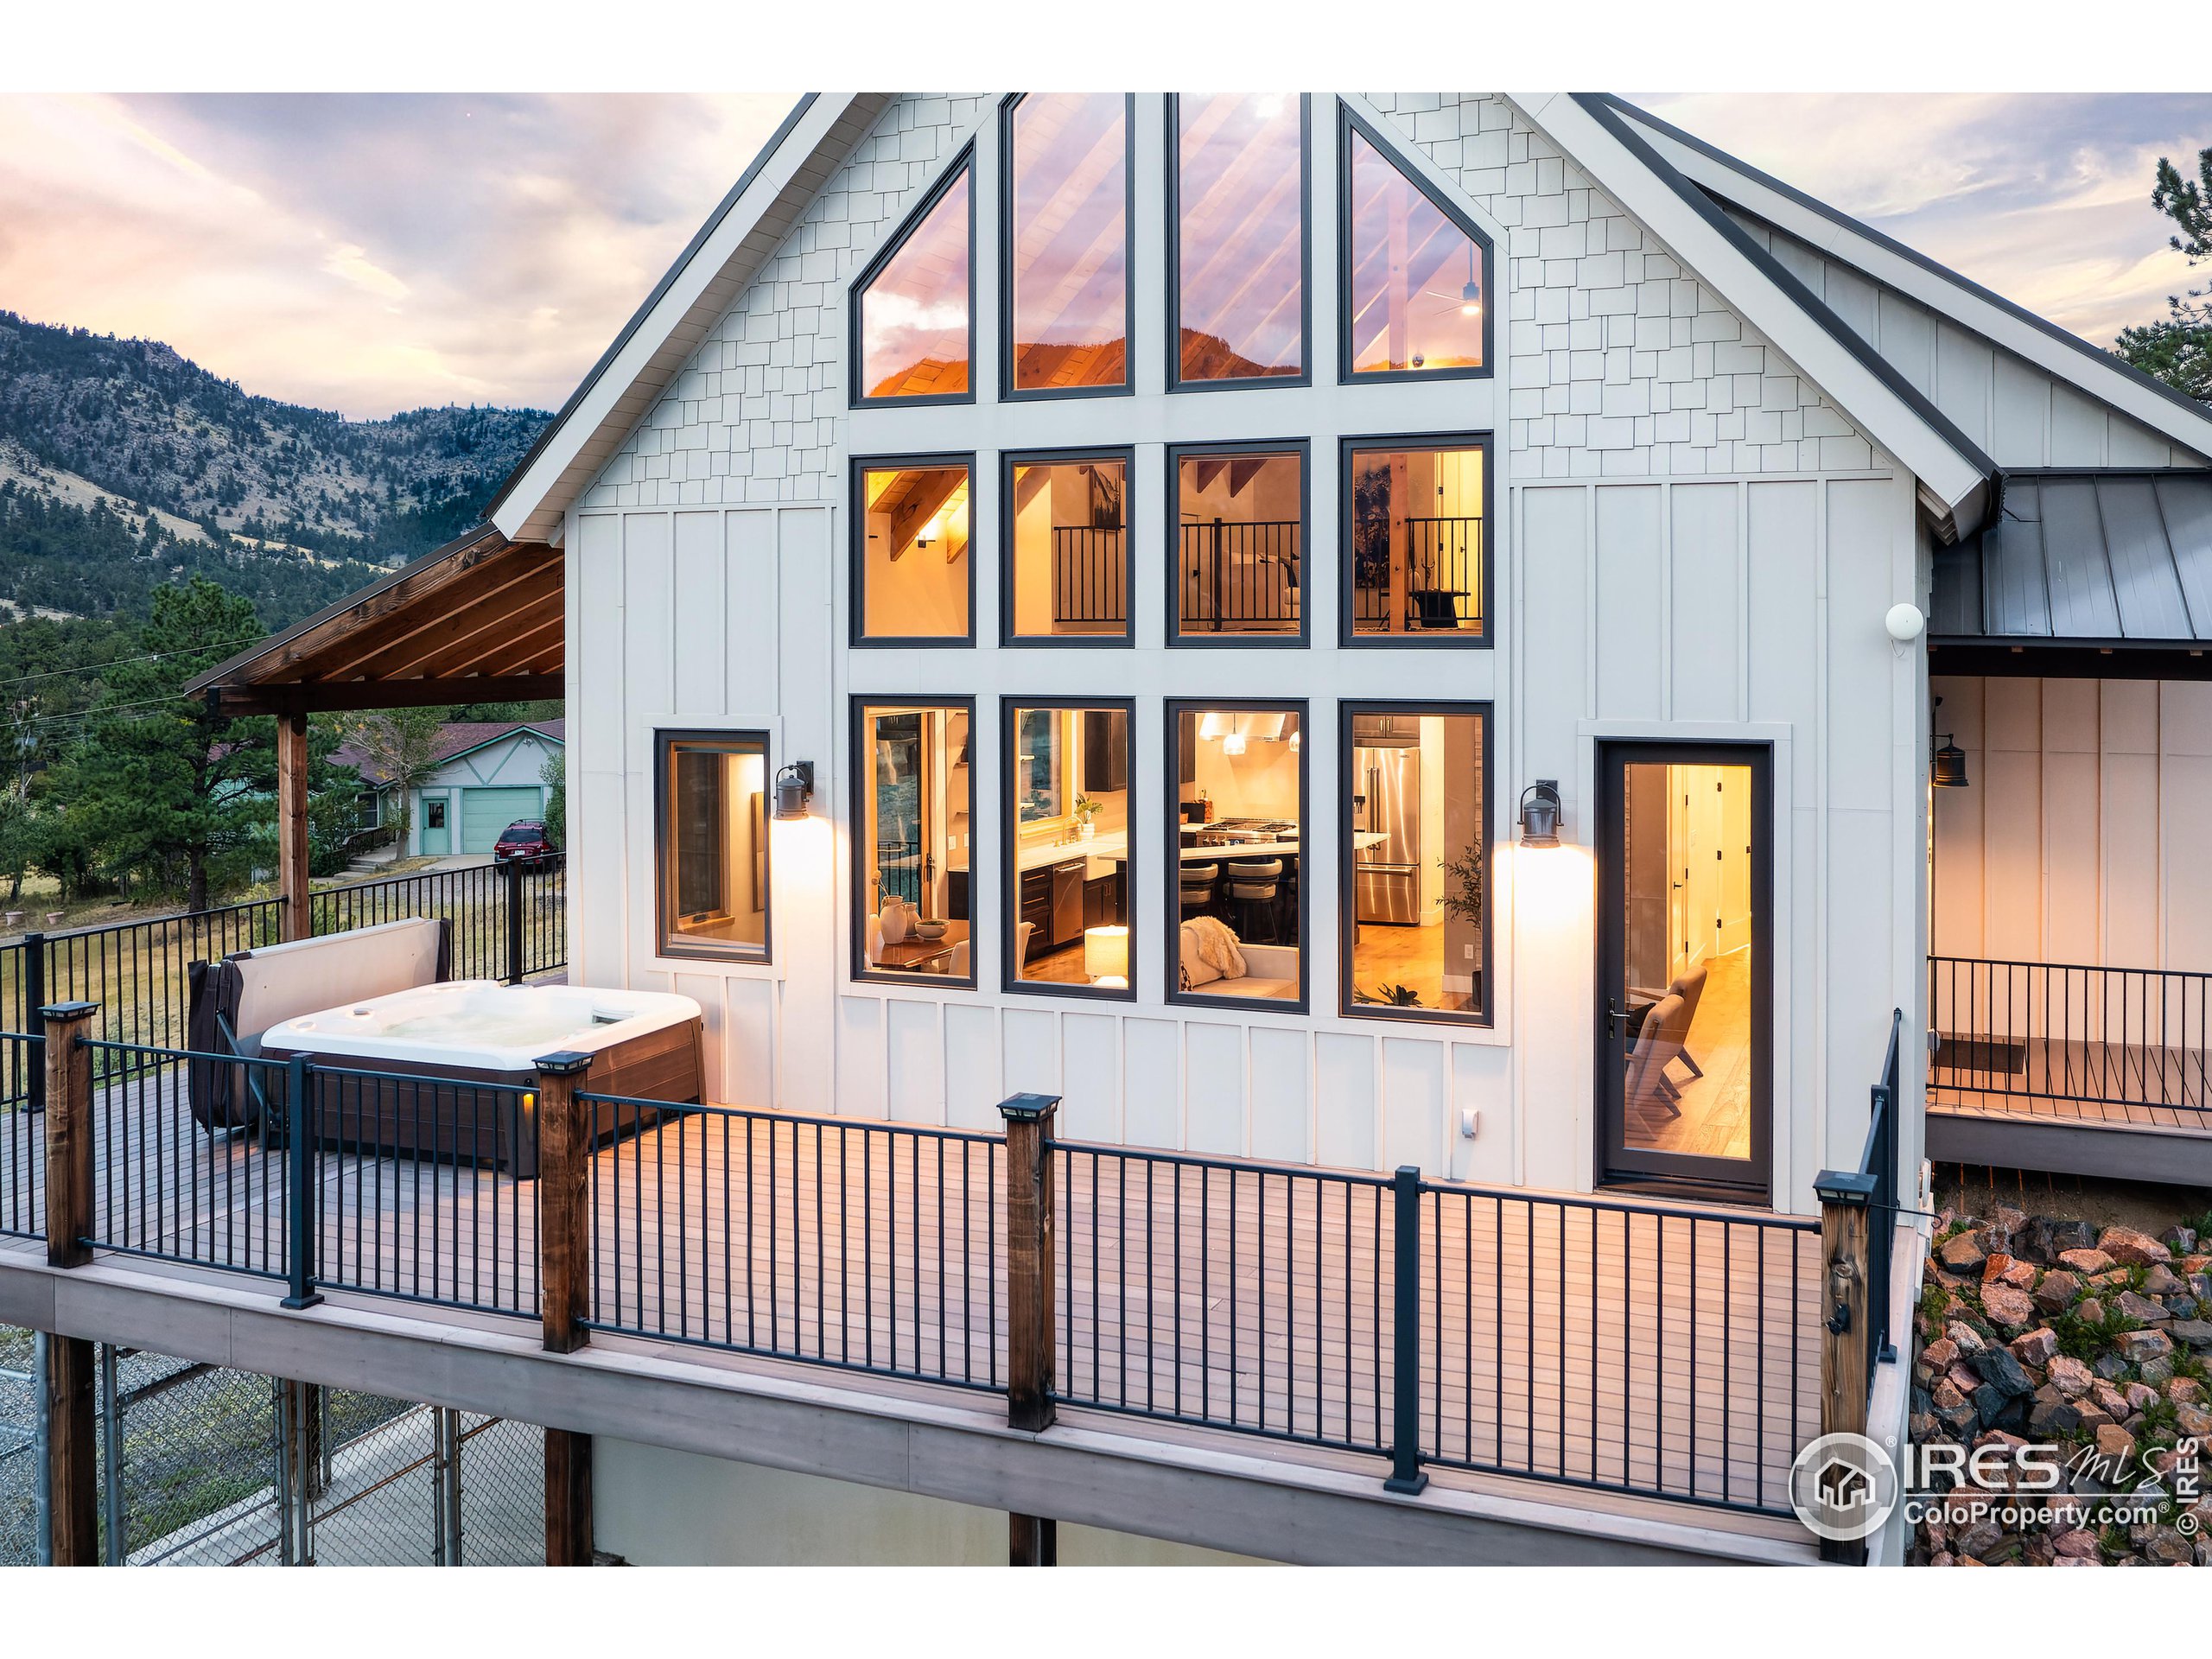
(1058, 903)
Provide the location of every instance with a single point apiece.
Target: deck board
(1669, 1353)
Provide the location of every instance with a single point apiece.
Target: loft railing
(1443, 589)
(2129, 1042)
(1089, 579)
(1239, 577)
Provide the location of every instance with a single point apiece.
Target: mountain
(122, 465)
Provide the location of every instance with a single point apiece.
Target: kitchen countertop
(1114, 847)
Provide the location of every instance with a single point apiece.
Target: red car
(523, 841)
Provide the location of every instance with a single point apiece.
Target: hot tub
(475, 1044)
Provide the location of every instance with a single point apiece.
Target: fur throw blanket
(1211, 942)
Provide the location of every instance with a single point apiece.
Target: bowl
(930, 929)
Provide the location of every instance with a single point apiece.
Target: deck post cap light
(1027, 1107)
(1905, 623)
(1846, 1187)
(794, 789)
(567, 1063)
(1539, 810)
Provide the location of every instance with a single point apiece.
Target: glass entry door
(1685, 1000)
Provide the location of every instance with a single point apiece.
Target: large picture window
(913, 765)
(913, 582)
(1415, 275)
(712, 837)
(1070, 858)
(1414, 921)
(1067, 243)
(1065, 522)
(1416, 556)
(1238, 900)
(1239, 535)
(913, 310)
(1238, 172)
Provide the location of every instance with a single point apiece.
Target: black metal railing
(1089, 578)
(509, 921)
(423, 1188)
(1443, 575)
(868, 1247)
(2128, 1042)
(163, 1188)
(22, 1142)
(1245, 1296)
(1878, 1159)
(1240, 577)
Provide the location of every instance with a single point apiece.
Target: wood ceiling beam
(361, 645)
(341, 696)
(471, 631)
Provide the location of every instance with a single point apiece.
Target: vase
(1085, 830)
(893, 918)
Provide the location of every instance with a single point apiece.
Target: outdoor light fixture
(794, 789)
(1540, 814)
(1948, 770)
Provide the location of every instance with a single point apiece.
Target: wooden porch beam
(292, 823)
(72, 1447)
(327, 696)
(396, 644)
(567, 1498)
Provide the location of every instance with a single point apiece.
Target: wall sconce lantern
(1539, 810)
(1949, 771)
(794, 791)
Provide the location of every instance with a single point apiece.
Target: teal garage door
(485, 812)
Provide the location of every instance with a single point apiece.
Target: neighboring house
(1520, 648)
(489, 775)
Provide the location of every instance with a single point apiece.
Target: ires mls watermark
(1845, 1486)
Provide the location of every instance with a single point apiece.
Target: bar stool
(1255, 886)
(1195, 884)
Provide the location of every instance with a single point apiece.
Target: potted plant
(1085, 811)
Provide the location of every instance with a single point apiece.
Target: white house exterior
(1329, 634)
(492, 773)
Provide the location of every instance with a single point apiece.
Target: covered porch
(2070, 958)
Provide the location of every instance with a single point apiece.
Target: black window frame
(1484, 709)
(1007, 392)
(1176, 638)
(1008, 461)
(1174, 247)
(1347, 622)
(1348, 122)
(1009, 832)
(727, 739)
(1173, 710)
(857, 636)
(856, 293)
(862, 771)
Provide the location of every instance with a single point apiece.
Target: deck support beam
(1032, 1541)
(292, 825)
(567, 1498)
(73, 1494)
(1845, 1342)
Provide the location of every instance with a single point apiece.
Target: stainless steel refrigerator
(1386, 773)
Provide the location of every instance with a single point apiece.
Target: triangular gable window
(1416, 281)
(914, 311)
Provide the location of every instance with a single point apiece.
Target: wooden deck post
(1029, 1339)
(292, 825)
(563, 1210)
(1845, 1341)
(68, 1132)
(73, 1494)
(1031, 1540)
(567, 1498)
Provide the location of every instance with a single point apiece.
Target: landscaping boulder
(2197, 1333)
(2008, 1308)
(2086, 1262)
(2135, 1347)
(2141, 1309)
(2053, 1415)
(2036, 1347)
(2047, 1236)
(2070, 1376)
(1961, 1253)
(2160, 1280)
(1967, 1340)
(2057, 1291)
(2181, 1240)
(2000, 1371)
(2131, 1248)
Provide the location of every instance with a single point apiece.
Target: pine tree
(2178, 351)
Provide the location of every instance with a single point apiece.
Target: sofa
(1270, 971)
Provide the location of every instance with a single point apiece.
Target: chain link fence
(202, 1466)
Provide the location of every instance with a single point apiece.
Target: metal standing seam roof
(2086, 556)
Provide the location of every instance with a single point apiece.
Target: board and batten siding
(2080, 838)
(1714, 564)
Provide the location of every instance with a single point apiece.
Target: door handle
(1614, 1014)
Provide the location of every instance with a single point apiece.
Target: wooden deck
(2079, 1082)
(1671, 1353)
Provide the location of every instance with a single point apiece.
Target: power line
(150, 657)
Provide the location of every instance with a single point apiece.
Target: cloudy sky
(371, 254)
